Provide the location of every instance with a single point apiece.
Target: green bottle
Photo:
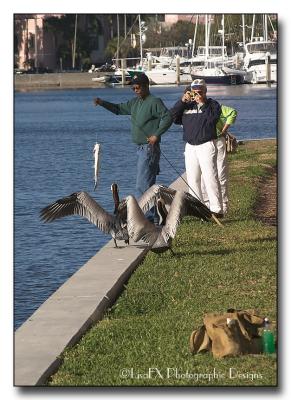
(268, 338)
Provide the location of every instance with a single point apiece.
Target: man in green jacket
(149, 120)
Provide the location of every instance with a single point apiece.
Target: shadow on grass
(260, 240)
(228, 221)
(220, 252)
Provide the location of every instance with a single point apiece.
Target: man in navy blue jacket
(199, 115)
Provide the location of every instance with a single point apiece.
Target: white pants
(202, 160)
(222, 169)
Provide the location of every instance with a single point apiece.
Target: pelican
(163, 196)
(159, 238)
(81, 203)
(128, 219)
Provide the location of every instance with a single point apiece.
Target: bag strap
(199, 341)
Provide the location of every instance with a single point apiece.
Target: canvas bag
(230, 334)
(231, 143)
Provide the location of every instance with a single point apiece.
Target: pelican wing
(139, 228)
(192, 206)
(176, 212)
(149, 198)
(79, 203)
(167, 194)
(196, 208)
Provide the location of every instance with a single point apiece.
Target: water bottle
(268, 338)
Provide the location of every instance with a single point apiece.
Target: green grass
(143, 340)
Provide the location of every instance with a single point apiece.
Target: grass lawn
(143, 340)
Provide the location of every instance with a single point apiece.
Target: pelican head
(161, 210)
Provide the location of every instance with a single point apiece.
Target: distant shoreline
(62, 80)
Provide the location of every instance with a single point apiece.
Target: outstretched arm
(119, 109)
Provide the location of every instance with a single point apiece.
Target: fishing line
(177, 172)
(213, 216)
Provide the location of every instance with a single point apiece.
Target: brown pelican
(128, 219)
(159, 238)
(81, 203)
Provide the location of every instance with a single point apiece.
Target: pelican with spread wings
(128, 219)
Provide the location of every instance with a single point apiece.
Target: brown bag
(200, 341)
(231, 143)
(232, 333)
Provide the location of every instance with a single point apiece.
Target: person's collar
(147, 95)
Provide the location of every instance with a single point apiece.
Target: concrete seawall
(66, 315)
(69, 80)
(66, 80)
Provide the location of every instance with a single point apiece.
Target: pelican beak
(114, 187)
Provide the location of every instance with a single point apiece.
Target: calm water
(55, 132)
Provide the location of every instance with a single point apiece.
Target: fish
(97, 153)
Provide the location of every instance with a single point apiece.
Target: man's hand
(97, 101)
(152, 139)
(186, 98)
(225, 129)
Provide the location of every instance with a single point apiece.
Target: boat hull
(158, 76)
(258, 74)
(232, 79)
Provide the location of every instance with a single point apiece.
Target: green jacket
(227, 116)
(149, 116)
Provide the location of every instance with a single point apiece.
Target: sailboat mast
(265, 27)
(243, 30)
(140, 39)
(206, 38)
(253, 27)
(118, 41)
(222, 24)
(194, 37)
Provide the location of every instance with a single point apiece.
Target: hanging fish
(96, 152)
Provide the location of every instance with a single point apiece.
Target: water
(55, 132)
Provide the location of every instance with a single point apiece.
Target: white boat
(162, 76)
(158, 75)
(255, 61)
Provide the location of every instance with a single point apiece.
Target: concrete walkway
(65, 316)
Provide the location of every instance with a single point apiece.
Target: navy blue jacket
(199, 125)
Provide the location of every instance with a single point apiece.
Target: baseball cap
(140, 79)
(198, 84)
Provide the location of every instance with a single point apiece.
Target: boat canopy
(213, 51)
(261, 47)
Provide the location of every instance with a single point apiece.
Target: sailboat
(214, 70)
(158, 73)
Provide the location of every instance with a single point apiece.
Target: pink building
(35, 45)
(171, 19)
